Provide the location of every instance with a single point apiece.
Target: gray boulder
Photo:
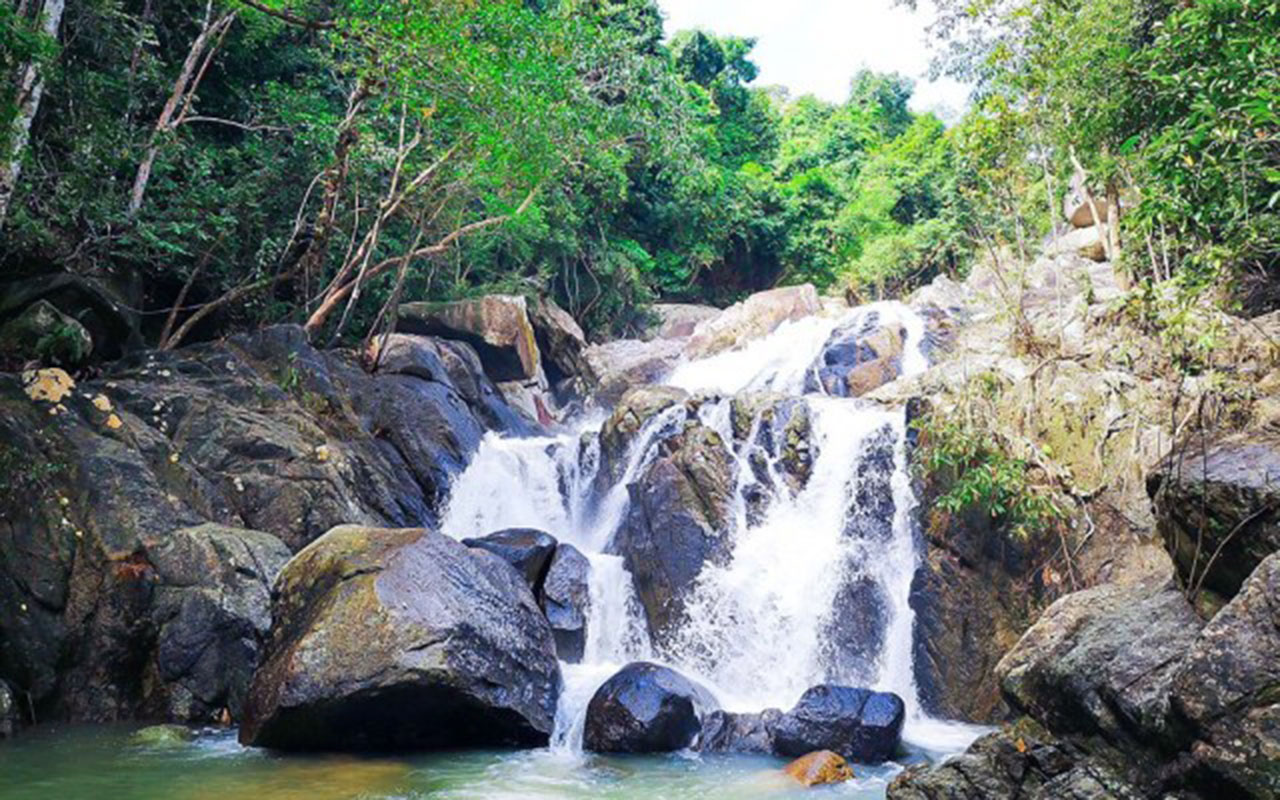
(527, 549)
(566, 601)
(402, 639)
(859, 724)
(726, 732)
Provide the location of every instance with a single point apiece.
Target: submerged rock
(566, 601)
(497, 326)
(646, 708)
(859, 724)
(402, 639)
(163, 736)
(1218, 508)
(819, 769)
(527, 549)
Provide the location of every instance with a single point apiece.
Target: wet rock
(163, 736)
(10, 719)
(527, 549)
(858, 358)
(678, 320)
(212, 612)
(44, 333)
(1223, 499)
(562, 343)
(820, 768)
(497, 326)
(726, 732)
(402, 639)
(566, 601)
(757, 316)
(645, 708)
(1101, 661)
(677, 522)
(1024, 762)
(1226, 688)
(778, 429)
(859, 724)
(628, 363)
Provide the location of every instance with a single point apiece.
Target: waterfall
(817, 584)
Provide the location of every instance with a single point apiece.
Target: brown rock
(498, 326)
(819, 769)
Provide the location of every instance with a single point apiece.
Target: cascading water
(817, 584)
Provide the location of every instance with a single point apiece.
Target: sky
(815, 46)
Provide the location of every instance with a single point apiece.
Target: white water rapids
(757, 628)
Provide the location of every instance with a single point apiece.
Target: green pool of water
(107, 763)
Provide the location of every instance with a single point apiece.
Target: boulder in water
(677, 523)
(859, 358)
(757, 316)
(497, 326)
(527, 549)
(646, 708)
(566, 599)
(402, 639)
(859, 724)
(727, 732)
(819, 768)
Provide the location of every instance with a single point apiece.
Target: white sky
(815, 46)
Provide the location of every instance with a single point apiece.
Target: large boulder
(566, 601)
(497, 326)
(757, 316)
(728, 732)
(402, 639)
(634, 410)
(562, 343)
(1024, 762)
(859, 724)
(677, 522)
(1083, 242)
(628, 363)
(527, 549)
(858, 358)
(775, 433)
(212, 612)
(645, 708)
(1218, 507)
(678, 320)
(44, 333)
(1227, 688)
(99, 309)
(1101, 661)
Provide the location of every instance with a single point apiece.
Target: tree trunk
(30, 90)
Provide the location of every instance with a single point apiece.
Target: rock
(757, 316)
(562, 343)
(633, 412)
(163, 736)
(677, 522)
(212, 611)
(566, 601)
(778, 430)
(678, 320)
(1223, 500)
(645, 708)
(526, 549)
(858, 358)
(10, 718)
(859, 724)
(1226, 688)
(1101, 661)
(95, 307)
(44, 333)
(819, 769)
(1084, 242)
(1024, 762)
(497, 326)
(402, 639)
(533, 399)
(725, 732)
(628, 363)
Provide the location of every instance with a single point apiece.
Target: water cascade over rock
(743, 525)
